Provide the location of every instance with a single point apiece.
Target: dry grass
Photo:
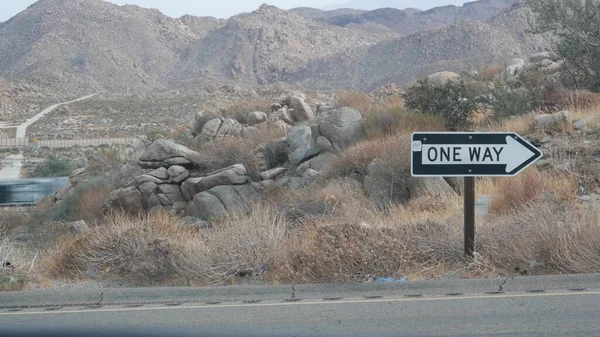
(489, 73)
(527, 188)
(562, 98)
(229, 151)
(522, 124)
(557, 236)
(356, 100)
(356, 159)
(387, 118)
(143, 248)
(90, 202)
(250, 244)
(14, 266)
(239, 110)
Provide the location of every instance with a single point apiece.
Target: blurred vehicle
(29, 191)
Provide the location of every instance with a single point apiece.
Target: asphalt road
(395, 310)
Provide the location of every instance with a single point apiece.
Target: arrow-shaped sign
(469, 154)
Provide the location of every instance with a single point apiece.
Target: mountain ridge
(82, 46)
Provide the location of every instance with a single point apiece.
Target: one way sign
(471, 154)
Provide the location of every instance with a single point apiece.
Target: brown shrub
(356, 100)
(490, 72)
(249, 244)
(89, 207)
(355, 160)
(391, 120)
(401, 242)
(513, 192)
(155, 247)
(229, 150)
(239, 110)
(528, 187)
(335, 200)
(385, 118)
(556, 236)
(561, 98)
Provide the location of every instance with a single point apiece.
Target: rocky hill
(81, 46)
(265, 46)
(462, 46)
(92, 45)
(408, 21)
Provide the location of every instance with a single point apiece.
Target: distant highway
(12, 170)
(22, 129)
(530, 306)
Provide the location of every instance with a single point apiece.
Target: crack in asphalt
(101, 297)
(501, 286)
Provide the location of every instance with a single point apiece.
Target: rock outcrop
(336, 130)
(165, 153)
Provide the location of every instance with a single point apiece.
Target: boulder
(77, 176)
(200, 119)
(227, 124)
(238, 130)
(272, 173)
(78, 227)
(282, 114)
(553, 68)
(324, 107)
(540, 57)
(171, 192)
(233, 175)
(419, 186)
(256, 117)
(276, 106)
(220, 200)
(290, 182)
(161, 150)
(177, 161)
(443, 77)
(457, 184)
(546, 122)
(336, 130)
(210, 129)
(302, 144)
(207, 207)
(301, 110)
(177, 173)
(319, 163)
(516, 66)
(309, 177)
(147, 189)
(285, 127)
(582, 123)
(144, 178)
(546, 62)
(153, 203)
(179, 207)
(128, 199)
(160, 173)
(376, 188)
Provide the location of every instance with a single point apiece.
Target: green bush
(507, 102)
(455, 101)
(53, 167)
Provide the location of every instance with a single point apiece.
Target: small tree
(455, 101)
(576, 24)
(53, 167)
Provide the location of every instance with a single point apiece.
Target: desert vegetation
(343, 210)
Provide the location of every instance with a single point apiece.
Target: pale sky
(225, 8)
